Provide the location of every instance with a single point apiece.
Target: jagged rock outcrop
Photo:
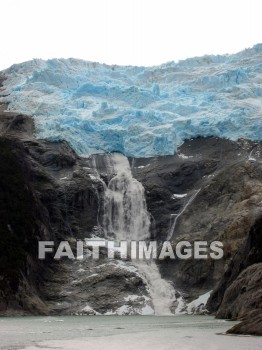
(251, 324)
(103, 287)
(248, 254)
(243, 301)
(243, 295)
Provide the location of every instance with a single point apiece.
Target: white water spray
(126, 216)
(125, 206)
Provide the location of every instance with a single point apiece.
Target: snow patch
(89, 311)
(183, 156)
(198, 305)
(175, 196)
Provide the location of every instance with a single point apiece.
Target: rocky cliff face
(239, 294)
(243, 301)
(37, 202)
(227, 183)
(247, 256)
(244, 294)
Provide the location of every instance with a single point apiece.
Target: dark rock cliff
(239, 293)
(247, 256)
(228, 188)
(228, 208)
(37, 202)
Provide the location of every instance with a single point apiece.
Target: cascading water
(161, 291)
(125, 213)
(173, 224)
(127, 218)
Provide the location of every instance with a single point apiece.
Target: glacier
(139, 111)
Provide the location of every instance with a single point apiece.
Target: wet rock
(243, 295)
(251, 324)
(91, 288)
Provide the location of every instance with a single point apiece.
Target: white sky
(134, 32)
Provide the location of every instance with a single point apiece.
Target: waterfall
(173, 225)
(250, 158)
(125, 213)
(162, 293)
(126, 217)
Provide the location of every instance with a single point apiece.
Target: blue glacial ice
(139, 111)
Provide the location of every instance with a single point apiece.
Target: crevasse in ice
(139, 111)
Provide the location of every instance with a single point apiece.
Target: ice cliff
(139, 111)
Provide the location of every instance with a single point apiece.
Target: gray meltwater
(121, 332)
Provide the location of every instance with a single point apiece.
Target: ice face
(139, 111)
